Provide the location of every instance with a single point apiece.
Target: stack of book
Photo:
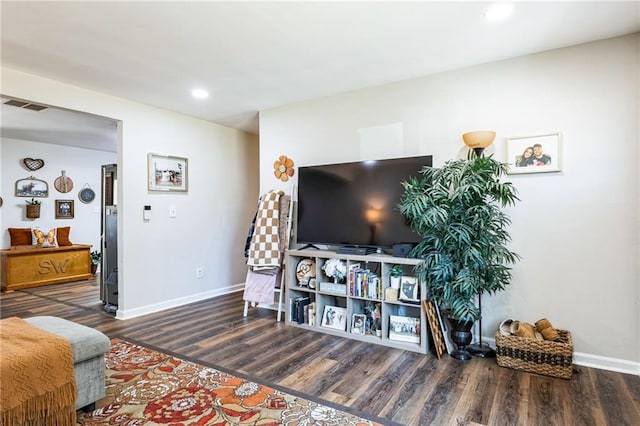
(299, 309)
(364, 283)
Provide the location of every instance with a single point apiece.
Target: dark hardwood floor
(389, 384)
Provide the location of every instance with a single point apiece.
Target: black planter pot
(461, 335)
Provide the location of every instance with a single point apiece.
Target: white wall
(157, 260)
(576, 230)
(82, 166)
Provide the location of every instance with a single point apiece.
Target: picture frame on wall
(167, 173)
(64, 209)
(32, 187)
(534, 154)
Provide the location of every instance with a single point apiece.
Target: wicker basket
(33, 211)
(536, 356)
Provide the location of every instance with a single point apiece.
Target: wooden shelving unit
(378, 264)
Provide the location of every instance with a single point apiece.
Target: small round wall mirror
(86, 195)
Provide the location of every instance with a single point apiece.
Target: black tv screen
(356, 203)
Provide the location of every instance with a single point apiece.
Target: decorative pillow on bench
(42, 238)
(20, 236)
(27, 237)
(63, 236)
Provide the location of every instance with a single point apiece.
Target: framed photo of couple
(534, 154)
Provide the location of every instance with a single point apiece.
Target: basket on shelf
(545, 357)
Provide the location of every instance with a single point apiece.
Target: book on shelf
(297, 306)
(364, 283)
(404, 329)
(311, 313)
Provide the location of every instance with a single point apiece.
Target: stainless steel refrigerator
(109, 239)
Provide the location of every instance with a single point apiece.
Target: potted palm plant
(458, 211)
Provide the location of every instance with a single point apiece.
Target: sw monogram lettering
(48, 266)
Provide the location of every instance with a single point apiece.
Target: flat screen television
(355, 204)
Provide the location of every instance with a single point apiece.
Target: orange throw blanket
(38, 386)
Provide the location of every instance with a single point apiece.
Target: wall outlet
(199, 272)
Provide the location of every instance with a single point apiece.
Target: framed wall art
(64, 209)
(167, 173)
(534, 154)
(31, 187)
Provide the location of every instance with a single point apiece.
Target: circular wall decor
(0, 201)
(305, 271)
(63, 183)
(33, 163)
(86, 195)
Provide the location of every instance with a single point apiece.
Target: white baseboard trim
(595, 361)
(173, 303)
(606, 363)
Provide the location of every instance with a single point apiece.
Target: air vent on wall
(25, 105)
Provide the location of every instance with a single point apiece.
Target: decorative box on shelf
(545, 357)
(333, 287)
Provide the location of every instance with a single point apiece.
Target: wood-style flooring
(390, 385)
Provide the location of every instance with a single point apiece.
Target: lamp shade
(479, 139)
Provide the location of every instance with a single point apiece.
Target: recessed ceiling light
(498, 11)
(199, 93)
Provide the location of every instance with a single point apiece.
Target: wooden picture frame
(32, 187)
(334, 317)
(167, 173)
(64, 209)
(534, 154)
(409, 289)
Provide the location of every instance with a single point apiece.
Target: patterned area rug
(146, 387)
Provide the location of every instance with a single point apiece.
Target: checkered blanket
(265, 244)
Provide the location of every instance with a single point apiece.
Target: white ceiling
(257, 55)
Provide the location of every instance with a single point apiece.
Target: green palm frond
(458, 211)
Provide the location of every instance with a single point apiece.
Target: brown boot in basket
(523, 329)
(546, 329)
